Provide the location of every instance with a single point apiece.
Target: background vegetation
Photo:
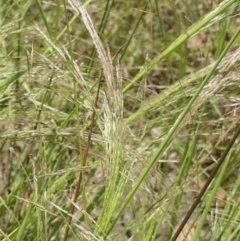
(113, 115)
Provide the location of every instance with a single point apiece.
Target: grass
(119, 120)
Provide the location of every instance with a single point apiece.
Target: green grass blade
(44, 18)
(133, 32)
(173, 130)
(4, 84)
(195, 28)
(24, 223)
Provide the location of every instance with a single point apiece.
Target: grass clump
(115, 118)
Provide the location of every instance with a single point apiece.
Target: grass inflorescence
(119, 120)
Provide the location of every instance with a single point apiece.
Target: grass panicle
(118, 120)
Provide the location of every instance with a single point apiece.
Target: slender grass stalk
(212, 194)
(195, 28)
(209, 200)
(144, 146)
(102, 27)
(44, 19)
(172, 131)
(133, 32)
(84, 162)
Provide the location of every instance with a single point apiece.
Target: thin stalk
(172, 131)
(195, 28)
(208, 182)
(84, 161)
(134, 30)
